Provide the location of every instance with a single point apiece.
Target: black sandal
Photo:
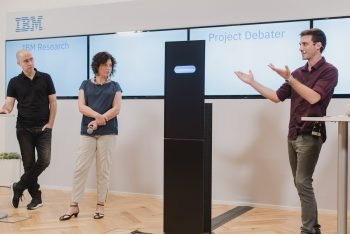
(99, 215)
(69, 216)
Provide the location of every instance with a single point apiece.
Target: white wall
(249, 136)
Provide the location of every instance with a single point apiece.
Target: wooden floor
(125, 214)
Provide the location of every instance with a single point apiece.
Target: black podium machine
(187, 141)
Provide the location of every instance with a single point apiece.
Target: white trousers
(90, 147)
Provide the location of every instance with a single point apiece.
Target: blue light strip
(185, 69)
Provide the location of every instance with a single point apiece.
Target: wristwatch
(290, 79)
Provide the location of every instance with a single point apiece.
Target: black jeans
(31, 139)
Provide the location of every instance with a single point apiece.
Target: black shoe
(17, 194)
(34, 204)
(317, 229)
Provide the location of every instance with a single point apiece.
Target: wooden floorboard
(125, 214)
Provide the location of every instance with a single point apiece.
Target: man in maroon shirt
(310, 89)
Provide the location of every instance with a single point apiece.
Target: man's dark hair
(102, 58)
(317, 36)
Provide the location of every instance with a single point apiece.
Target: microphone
(89, 130)
(92, 126)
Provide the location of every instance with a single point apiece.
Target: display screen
(64, 58)
(140, 59)
(337, 32)
(248, 47)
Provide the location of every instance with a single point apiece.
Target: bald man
(35, 94)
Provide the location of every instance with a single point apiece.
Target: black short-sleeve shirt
(32, 98)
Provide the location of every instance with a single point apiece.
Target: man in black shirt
(36, 103)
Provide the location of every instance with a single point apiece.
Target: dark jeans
(31, 139)
(303, 157)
